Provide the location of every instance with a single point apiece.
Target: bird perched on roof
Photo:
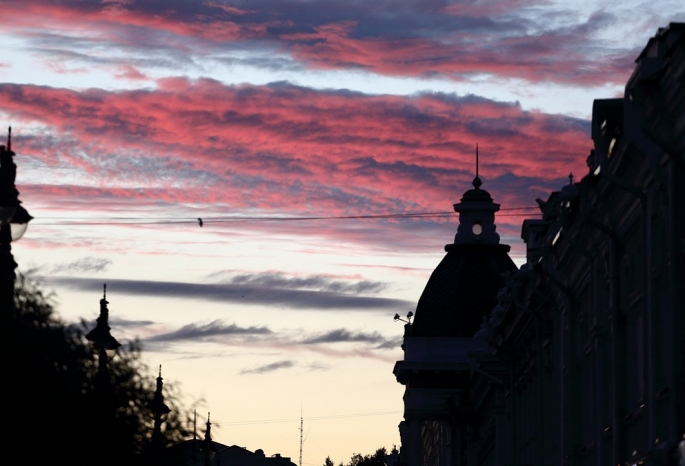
(199, 221)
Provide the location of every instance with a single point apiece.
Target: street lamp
(14, 220)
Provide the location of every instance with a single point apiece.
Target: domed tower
(463, 287)
(438, 346)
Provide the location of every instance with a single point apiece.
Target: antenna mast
(301, 430)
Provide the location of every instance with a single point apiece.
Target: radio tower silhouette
(301, 430)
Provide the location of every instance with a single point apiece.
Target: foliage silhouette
(377, 459)
(58, 407)
(357, 459)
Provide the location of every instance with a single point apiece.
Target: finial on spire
(104, 291)
(570, 178)
(208, 432)
(476, 181)
(9, 139)
(160, 370)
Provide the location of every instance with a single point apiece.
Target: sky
(132, 119)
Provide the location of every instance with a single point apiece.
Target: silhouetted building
(207, 452)
(436, 368)
(581, 358)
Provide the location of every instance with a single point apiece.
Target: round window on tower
(477, 229)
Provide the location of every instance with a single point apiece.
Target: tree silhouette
(55, 406)
(357, 459)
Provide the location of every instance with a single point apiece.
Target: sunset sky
(131, 119)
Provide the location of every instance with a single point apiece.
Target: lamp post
(14, 220)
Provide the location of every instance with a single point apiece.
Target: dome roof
(463, 287)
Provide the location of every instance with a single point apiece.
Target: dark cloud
(342, 335)
(316, 282)
(119, 322)
(244, 294)
(274, 366)
(457, 40)
(202, 331)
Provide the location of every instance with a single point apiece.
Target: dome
(463, 287)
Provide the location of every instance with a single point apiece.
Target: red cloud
(289, 150)
(457, 51)
(131, 73)
(537, 58)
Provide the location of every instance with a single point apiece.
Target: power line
(75, 221)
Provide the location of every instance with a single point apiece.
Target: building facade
(581, 358)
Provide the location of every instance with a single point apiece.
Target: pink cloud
(131, 73)
(464, 45)
(287, 150)
(367, 146)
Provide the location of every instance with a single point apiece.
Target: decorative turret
(100, 337)
(159, 410)
(476, 217)
(207, 444)
(208, 432)
(463, 287)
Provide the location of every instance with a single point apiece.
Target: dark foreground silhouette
(59, 408)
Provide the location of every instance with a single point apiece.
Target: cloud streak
(274, 366)
(202, 332)
(85, 265)
(459, 41)
(243, 294)
(315, 282)
(342, 335)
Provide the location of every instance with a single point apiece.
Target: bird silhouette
(199, 221)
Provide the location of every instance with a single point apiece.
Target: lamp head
(19, 222)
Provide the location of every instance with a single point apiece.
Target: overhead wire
(75, 221)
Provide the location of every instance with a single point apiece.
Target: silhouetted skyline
(150, 112)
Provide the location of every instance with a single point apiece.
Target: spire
(207, 445)
(100, 334)
(477, 183)
(160, 406)
(104, 311)
(194, 424)
(208, 432)
(9, 139)
(159, 410)
(476, 214)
